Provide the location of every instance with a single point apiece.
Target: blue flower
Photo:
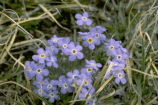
(52, 48)
(120, 77)
(65, 85)
(98, 36)
(86, 94)
(83, 19)
(89, 41)
(64, 45)
(52, 85)
(51, 60)
(73, 75)
(75, 51)
(40, 92)
(52, 95)
(113, 45)
(28, 70)
(125, 51)
(98, 28)
(88, 71)
(87, 81)
(39, 71)
(116, 66)
(93, 64)
(55, 39)
(40, 82)
(84, 35)
(120, 57)
(41, 55)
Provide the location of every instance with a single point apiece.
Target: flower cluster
(50, 89)
(119, 54)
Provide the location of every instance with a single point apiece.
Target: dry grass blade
(104, 97)
(108, 71)
(16, 24)
(78, 92)
(129, 71)
(9, 46)
(155, 76)
(102, 87)
(152, 101)
(45, 10)
(149, 42)
(79, 5)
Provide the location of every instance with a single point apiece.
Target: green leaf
(10, 75)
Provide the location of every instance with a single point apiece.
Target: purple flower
(86, 94)
(116, 66)
(52, 47)
(120, 77)
(65, 86)
(28, 70)
(64, 45)
(50, 85)
(84, 35)
(40, 83)
(72, 75)
(98, 28)
(41, 55)
(125, 51)
(113, 45)
(120, 57)
(40, 92)
(87, 71)
(93, 64)
(98, 36)
(89, 41)
(52, 95)
(87, 81)
(75, 51)
(52, 60)
(55, 39)
(83, 19)
(39, 71)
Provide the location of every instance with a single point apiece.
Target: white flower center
(64, 45)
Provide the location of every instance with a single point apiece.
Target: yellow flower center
(84, 18)
(42, 55)
(52, 59)
(39, 71)
(86, 82)
(28, 69)
(74, 51)
(120, 75)
(92, 64)
(90, 40)
(56, 39)
(41, 82)
(89, 70)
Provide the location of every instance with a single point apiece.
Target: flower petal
(91, 46)
(78, 16)
(88, 22)
(45, 72)
(72, 57)
(85, 14)
(80, 22)
(123, 80)
(117, 80)
(35, 57)
(79, 55)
